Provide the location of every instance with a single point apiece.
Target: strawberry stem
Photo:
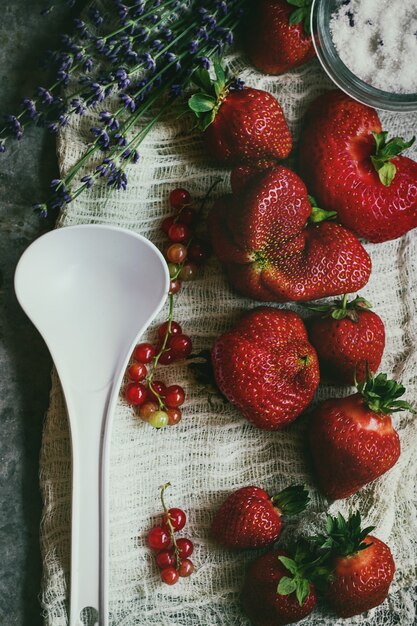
(381, 394)
(344, 537)
(207, 101)
(385, 152)
(291, 500)
(301, 14)
(341, 308)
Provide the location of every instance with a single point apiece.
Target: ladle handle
(87, 411)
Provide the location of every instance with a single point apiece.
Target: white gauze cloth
(214, 450)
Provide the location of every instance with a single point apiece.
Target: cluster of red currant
(158, 404)
(171, 553)
(184, 252)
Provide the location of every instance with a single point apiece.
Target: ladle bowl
(91, 291)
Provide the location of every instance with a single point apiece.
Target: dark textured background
(25, 172)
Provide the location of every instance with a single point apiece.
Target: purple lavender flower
(45, 96)
(41, 209)
(166, 33)
(128, 102)
(193, 46)
(81, 27)
(102, 137)
(88, 65)
(122, 77)
(176, 89)
(88, 181)
(204, 62)
(148, 61)
(117, 179)
(98, 91)
(109, 120)
(120, 140)
(63, 120)
(202, 33)
(222, 7)
(30, 107)
(63, 76)
(142, 34)
(95, 16)
(237, 85)
(52, 127)
(15, 126)
(157, 45)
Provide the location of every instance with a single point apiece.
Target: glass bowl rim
(344, 78)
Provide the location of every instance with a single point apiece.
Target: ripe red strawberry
(348, 337)
(352, 440)
(363, 567)
(279, 37)
(350, 167)
(266, 367)
(273, 250)
(250, 518)
(241, 123)
(278, 590)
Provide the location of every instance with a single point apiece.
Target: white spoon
(91, 291)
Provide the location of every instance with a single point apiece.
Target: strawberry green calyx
(301, 14)
(308, 566)
(318, 215)
(291, 500)
(344, 537)
(206, 102)
(385, 152)
(341, 309)
(381, 394)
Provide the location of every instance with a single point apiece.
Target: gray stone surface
(25, 172)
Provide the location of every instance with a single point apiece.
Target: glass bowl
(341, 75)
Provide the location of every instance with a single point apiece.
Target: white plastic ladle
(91, 291)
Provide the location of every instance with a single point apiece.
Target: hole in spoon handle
(87, 410)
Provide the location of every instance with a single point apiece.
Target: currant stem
(163, 488)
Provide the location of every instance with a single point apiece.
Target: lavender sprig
(146, 57)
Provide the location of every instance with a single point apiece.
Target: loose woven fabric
(214, 450)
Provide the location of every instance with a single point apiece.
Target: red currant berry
(179, 233)
(164, 559)
(156, 388)
(174, 396)
(181, 346)
(147, 409)
(174, 329)
(169, 575)
(186, 568)
(187, 216)
(144, 353)
(159, 538)
(136, 393)
(174, 286)
(179, 197)
(197, 253)
(188, 271)
(137, 372)
(177, 518)
(167, 223)
(185, 547)
(176, 253)
(166, 358)
(174, 416)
